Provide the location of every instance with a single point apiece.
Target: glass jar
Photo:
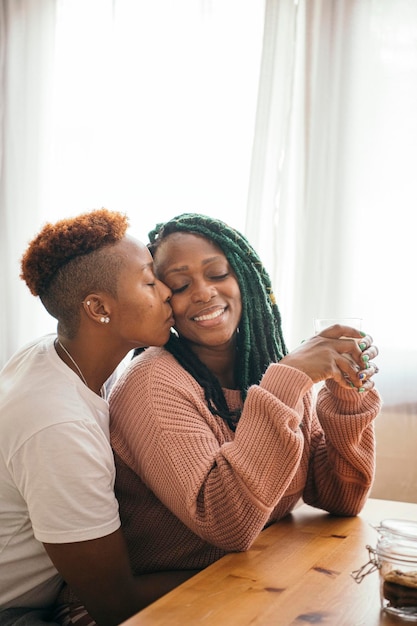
(395, 557)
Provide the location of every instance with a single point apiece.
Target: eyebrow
(147, 266)
(184, 268)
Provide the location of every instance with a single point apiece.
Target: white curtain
(26, 59)
(143, 107)
(297, 212)
(333, 189)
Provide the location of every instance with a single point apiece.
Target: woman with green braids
(217, 434)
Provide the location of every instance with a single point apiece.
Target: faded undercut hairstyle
(260, 340)
(72, 258)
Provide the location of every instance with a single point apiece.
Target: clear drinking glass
(320, 323)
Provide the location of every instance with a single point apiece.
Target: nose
(165, 291)
(203, 292)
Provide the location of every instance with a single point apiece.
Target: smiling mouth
(209, 316)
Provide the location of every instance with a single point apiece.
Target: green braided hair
(260, 340)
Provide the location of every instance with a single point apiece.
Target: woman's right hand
(339, 352)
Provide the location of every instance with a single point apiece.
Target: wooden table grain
(297, 573)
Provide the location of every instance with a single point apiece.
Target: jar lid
(405, 529)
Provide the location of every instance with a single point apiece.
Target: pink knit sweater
(191, 490)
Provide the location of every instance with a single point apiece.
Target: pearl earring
(104, 320)
(88, 303)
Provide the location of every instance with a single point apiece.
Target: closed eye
(218, 277)
(178, 289)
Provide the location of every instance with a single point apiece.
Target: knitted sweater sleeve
(342, 455)
(224, 487)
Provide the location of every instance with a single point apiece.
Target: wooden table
(296, 573)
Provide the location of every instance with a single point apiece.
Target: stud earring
(88, 303)
(104, 320)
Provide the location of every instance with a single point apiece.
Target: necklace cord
(103, 388)
(73, 362)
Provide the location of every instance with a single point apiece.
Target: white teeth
(210, 316)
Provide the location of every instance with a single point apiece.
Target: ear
(97, 307)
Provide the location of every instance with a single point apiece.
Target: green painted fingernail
(365, 358)
(363, 334)
(350, 383)
(362, 345)
(361, 389)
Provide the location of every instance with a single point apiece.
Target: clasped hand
(338, 352)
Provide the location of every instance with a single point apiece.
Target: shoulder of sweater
(156, 356)
(158, 363)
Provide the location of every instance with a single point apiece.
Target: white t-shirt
(56, 470)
